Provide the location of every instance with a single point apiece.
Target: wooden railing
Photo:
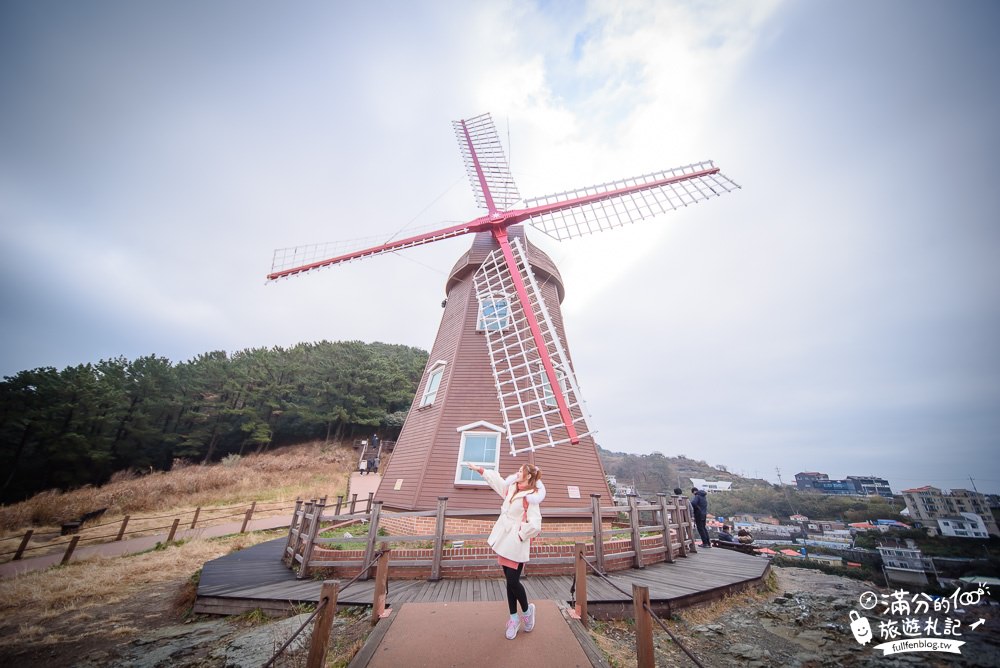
(114, 531)
(326, 610)
(668, 514)
(642, 614)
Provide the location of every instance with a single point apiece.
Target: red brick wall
(423, 526)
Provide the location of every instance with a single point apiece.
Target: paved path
(362, 484)
(141, 544)
(437, 635)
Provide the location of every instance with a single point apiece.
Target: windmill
(508, 292)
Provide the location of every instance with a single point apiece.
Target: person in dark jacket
(699, 507)
(725, 536)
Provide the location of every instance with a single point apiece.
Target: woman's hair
(534, 475)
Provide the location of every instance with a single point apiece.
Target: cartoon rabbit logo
(860, 627)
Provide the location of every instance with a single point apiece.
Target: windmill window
(481, 449)
(547, 395)
(433, 383)
(494, 312)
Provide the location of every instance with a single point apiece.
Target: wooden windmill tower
(502, 323)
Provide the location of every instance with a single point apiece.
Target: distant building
(806, 479)
(825, 526)
(926, 505)
(969, 525)
(838, 487)
(871, 486)
(903, 562)
(711, 485)
(878, 525)
(851, 486)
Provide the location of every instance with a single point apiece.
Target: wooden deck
(255, 578)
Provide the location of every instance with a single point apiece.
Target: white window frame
(547, 395)
(435, 374)
(500, 322)
(481, 428)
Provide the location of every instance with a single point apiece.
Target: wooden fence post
(438, 539)
(643, 627)
(69, 550)
(121, 532)
(354, 501)
(340, 503)
(682, 550)
(23, 545)
(581, 584)
(246, 518)
(381, 583)
(373, 521)
(317, 513)
(633, 517)
(194, 520)
(595, 510)
(690, 529)
(304, 526)
(173, 530)
(292, 529)
(368, 508)
(665, 521)
(324, 622)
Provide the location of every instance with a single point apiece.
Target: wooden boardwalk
(256, 578)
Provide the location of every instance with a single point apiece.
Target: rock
(256, 647)
(749, 652)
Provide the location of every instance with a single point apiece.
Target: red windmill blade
(526, 396)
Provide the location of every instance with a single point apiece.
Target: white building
(711, 485)
(969, 525)
(903, 562)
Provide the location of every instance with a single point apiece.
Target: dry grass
(273, 480)
(91, 597)
(95, 603)
(708, 613)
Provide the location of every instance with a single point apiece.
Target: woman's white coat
(511, 535)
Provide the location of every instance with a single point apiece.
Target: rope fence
(643, 631)
(328, 601)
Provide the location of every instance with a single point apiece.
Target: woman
(520, 520)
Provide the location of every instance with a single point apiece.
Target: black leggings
(515, 590)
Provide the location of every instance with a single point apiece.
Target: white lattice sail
(629, 200)
(527, 403)
(480, 147)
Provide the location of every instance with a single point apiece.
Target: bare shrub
(124, 475)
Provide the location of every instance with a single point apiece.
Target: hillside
(657, 472)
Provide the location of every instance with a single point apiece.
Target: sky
(840, 313)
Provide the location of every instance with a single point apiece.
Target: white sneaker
(512, 627)
(528, 618)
